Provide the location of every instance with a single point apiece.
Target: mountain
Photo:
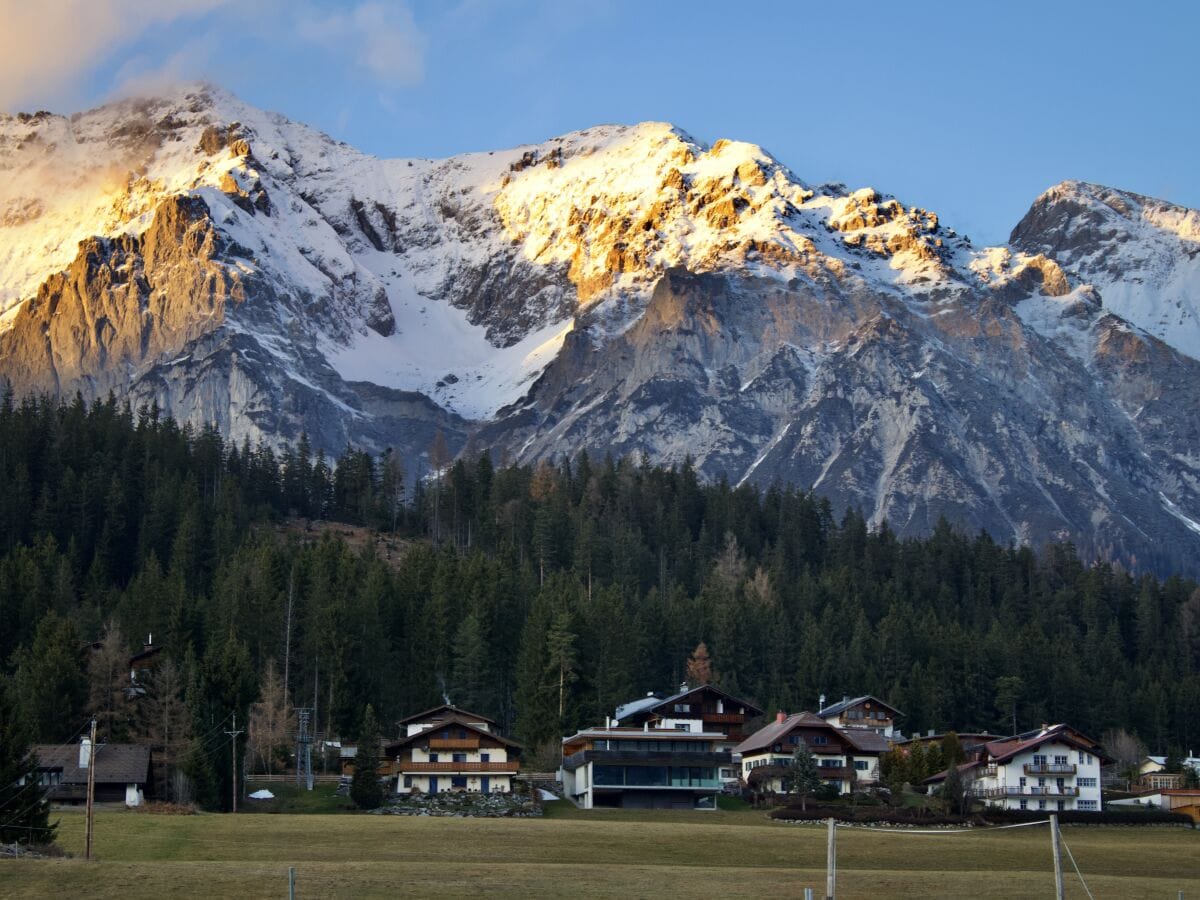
(622, 289)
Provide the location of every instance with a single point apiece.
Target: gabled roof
(635, 706)
(848, 702)
(771, 733)
(455, 719)
(866, 740)
(438, 713)
(963, 769)
(1005, 749)
(114, 763)
(651, 703)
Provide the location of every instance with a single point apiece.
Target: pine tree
(365, 788)
(24, 806)
(953, 792)
(804, 776)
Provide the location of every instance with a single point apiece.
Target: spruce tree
(365, 788)
(804, 778)
(25, 816)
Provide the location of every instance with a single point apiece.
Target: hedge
(884, 816)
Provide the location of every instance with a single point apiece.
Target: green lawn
(599, 853)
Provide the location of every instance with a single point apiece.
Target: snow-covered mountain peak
(1141, 253)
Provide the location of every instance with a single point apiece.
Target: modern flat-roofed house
(847, 758)
(447, 749)
(862, 712)
(1053, 768)
(122, 772)
(700, 709)
(644, 768)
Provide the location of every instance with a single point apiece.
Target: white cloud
(46, 48)
(382, 39)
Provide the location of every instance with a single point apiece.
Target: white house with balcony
(846, 758)
(448, 749)
(1053, 769)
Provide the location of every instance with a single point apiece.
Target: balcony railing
(834, 771)
(1049, 769)
(471, 743)
(415, 767)
(724, 718)
(645, 757)
(1046, 793)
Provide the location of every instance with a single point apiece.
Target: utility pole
(831, 861)
(91, 789)
(1058, 875)
(233, 757)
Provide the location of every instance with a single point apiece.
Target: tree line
(542, 596)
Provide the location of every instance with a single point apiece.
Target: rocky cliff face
(620, 289)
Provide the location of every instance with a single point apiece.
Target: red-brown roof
(774, 732)
(440, 712)
(458, 720)
(1004, 750)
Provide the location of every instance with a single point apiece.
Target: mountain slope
(621, 289)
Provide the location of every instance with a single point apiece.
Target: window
(1022, 781)
(458, 757)
(433, 757)
(1024, 804)
(820, 739)
(1087, 804)
(1081, 757)
(793, 739)
(1039, 760)
(683, 707)
(1062, 804)
(1060, 760)
(862, 765)
(1041, 804)
(459, 781)
(1085, 782)
(408, 781)
(485, 757)
(682, 726)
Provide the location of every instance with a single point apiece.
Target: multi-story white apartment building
(1054, 768)
(448, 749)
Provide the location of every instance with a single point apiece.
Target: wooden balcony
(1049, 769)
(437, 743)
(413, 768)
(842, 772)
(724, 718)
(1037, 793)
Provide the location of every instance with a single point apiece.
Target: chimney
(85, 752)
(821, 703)
(780, 717)
(645, 726)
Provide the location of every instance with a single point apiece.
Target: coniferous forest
(542, 596)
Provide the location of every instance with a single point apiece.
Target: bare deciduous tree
(271, 723)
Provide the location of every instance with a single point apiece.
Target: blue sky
(967, 109)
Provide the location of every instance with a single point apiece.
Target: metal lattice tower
(304, 742)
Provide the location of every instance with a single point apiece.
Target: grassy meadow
(596, 853)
